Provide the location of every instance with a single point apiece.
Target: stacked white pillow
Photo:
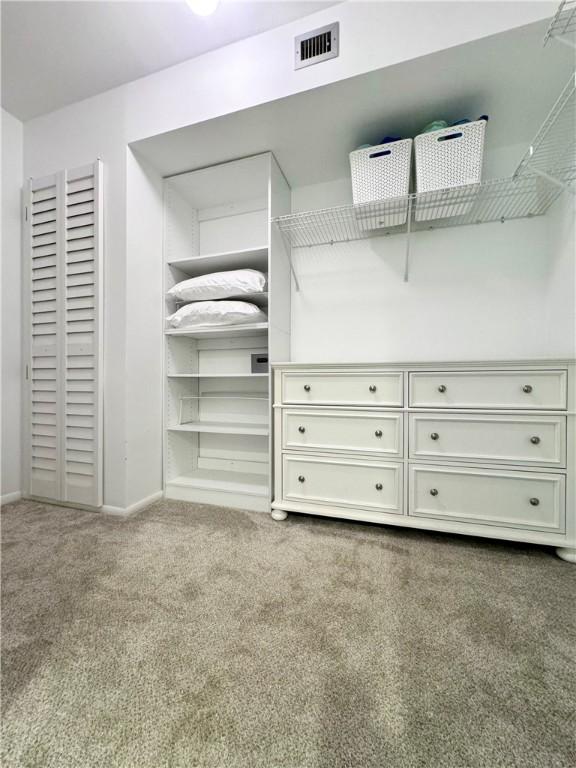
(219, 285)
(216, 313)
(205, 310)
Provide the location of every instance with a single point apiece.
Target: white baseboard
(133, 508)
(9, 497)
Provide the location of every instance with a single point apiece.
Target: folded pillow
(219, 285)
(216, 313)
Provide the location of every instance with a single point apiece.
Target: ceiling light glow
(203, 7)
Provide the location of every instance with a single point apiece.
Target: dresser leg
(567, 553)
(279, 514)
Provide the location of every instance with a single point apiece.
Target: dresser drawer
(343, 482)
(515, 439)
(489, 389)
(346, 431)
(529, 500)
(341, 388)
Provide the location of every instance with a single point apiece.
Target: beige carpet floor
(198, 637)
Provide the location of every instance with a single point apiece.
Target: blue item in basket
(467, 120)
(390, 139)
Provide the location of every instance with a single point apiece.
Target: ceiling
(56, 53)
(311, 133)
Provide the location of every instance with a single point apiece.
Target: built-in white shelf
(216, 375)
(254, 329)
(260, 299)
(223, 428)
(255, 258)
(216, 411)
(216, 480)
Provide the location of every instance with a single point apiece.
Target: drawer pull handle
(301, 478)
(534, 439)
(372, 388)
(378, 486)
(301, 430)
(306, 387)
(378, 433)
(442, 388)
(527, 388)
(534, 501)
(433, 492)
(434, 436)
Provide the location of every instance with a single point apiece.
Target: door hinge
(27, 373)
(25, 213)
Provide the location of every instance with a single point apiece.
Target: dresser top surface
(432, 365)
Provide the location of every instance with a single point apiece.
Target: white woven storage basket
(379, 173)
(450, 157)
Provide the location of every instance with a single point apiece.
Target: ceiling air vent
(318, 45)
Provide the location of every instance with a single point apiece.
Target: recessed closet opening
(217, 407)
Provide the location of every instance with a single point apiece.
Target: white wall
(144, 324)
(491, 291)
(11, 394)
(242, 75)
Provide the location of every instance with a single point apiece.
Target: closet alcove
(475, 291)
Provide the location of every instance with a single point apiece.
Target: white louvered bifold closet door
(64, 414)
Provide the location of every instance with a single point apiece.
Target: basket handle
(450, 136)
(382, 153)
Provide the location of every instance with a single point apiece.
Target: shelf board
(218, 480)
(254, 329)
(256, 258)
(216, 375)
(223, 428)
(260, 299)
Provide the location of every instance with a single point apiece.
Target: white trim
(7, 498)
(133, 508)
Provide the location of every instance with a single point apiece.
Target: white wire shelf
(496, 200)
(563, 23)
(547, 168)
(552, 153)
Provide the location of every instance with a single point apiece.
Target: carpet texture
(197, 637)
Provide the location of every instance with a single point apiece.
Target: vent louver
(316, 46)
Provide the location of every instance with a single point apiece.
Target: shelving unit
(217, 411)
(546, 170)
(563, 24)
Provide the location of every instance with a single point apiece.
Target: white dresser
(485, 449)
